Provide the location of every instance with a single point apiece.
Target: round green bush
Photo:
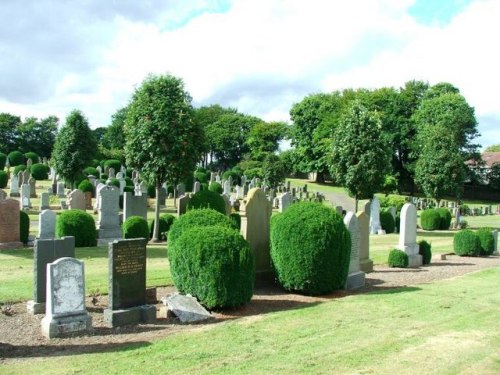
(24, 229)
(33, 156)
(3, 160)
(215, 187)
(104, 176)
(430, 219)
(113, 163)
(114, 182)
(40, 171)
(135, 227)
(95, 163)
(310, 248)
(397, 258)
(4, 178)
(16, 158)
(19, 168)
(387, 222)
(425, 251)
(203, 186)
(445, 216)
(91, 171)
(214, 264)
(486, 240)
(85, 186)
(236, 218)
(166, 221)
(466, 243)
(233, 174)
(207, 199)
(198, 218)
(201, 176)
(79, 224)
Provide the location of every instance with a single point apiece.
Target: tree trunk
(356, 204)
(156, 228)
(320, 177)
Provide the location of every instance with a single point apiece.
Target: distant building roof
(491, 158)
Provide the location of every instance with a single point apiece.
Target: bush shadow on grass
(24, 252)
(26, 351)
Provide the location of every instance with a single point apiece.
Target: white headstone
(44, 201)
(60, 190)
(14, 185)
(25, 196)
(76, 200)
(356, 277)
(226, 187)
(196, 187)
(284, 201)
(375, 216)
(408, 235)
(108, 218)
(47, 224)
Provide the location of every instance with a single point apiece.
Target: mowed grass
(447, 327)
(16, 271)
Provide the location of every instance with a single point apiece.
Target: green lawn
(16, 270)
(446, 327)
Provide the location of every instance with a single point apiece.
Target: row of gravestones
(59, 286)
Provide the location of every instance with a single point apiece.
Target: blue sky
(259, 56)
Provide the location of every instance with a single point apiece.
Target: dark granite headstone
(46, 251)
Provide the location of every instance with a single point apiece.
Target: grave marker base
(132, 315)
(415, 260)
(366, 265)
(35, 307)
(355, 280)
(66, 326)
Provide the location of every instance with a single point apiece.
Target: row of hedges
(435, 219)
(469, 243)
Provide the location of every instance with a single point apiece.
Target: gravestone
(65, 311)
(46, 224)
(25, 196)
(239, 192)
(186, 308)
(408, 235)
(226, 187)
(243, 180)
(134, 205)
(29, 163)
(355, 277)
(375, 226)
(14, 186)
(32, 183)
(181, 190)
(196, 187)
(255, 219)
(162, 196)
(76, 200)
(338, 209)
(365, 263)
(44, 201)
(46, 251)
(108, 220)
(495, 241)
(60, 190)
(127, 284)
(245, 190)
(227, 201)
(182, 204)
(284, 201)
(9, 224)
(3, 195)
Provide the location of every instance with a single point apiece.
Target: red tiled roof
(491, 158)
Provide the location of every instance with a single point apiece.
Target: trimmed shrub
(114, 182)
(4, 178)
(19, 168)
(40, 171)
(445, 216)
(86, 186)
(233, 174)
(201, 176)
(24, 228)
(236, 218)
(214, 264)
(486, 241)
(16, 158)
(430, 219)
(254, 172)
(128, 189)
(397, 222)
(397, 258)
(392, 200)
(387, 222)
(104, 176)
(203, 186)
(205, 217)
(79, 224)
(135, 227)
(166, 221)
(319, 264)
(466, 243)
(113, 163)
(33, 156)
(425, 250)
(94, 163)
(215, 187)
(91, 171)
(151, 191)
(129, 182)
(207, 199)
(3, 160)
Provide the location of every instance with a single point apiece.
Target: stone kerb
(356, 277)
(65, 311)
(365, 263)
(10, 224)
(255, 221)
(408, 235)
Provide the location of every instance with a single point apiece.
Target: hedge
(40, 171)
(16, 158)
(135, 227)
(387, 222)
(445, 216)
(466, 243)
(166, 221)
(425, 251)
(79, 224)
(4, 178)
(430, 219)
(207, 199)
(486, 240)
(24, 227)
(397, 258)
(215, 187)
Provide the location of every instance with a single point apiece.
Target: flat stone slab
(186, 308)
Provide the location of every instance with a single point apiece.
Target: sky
(259, 56)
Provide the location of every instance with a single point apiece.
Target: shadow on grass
(423, 233)
(26, 351)
(25, 252)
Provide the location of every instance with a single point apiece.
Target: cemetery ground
(403, 320)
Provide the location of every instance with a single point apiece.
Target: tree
(273, 170)
(264, 138)
(74, 147)
(360, 157)
(38, 135)
(440, 169)
(494, 176)
(9, 132)
(114, 138)
(162, 140)
(493, 148)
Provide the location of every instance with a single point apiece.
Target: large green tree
(493, 148)
(360, 156)
(162, 140)
(9, 132)
(38, 135)
(74, 147)
(264, 138)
